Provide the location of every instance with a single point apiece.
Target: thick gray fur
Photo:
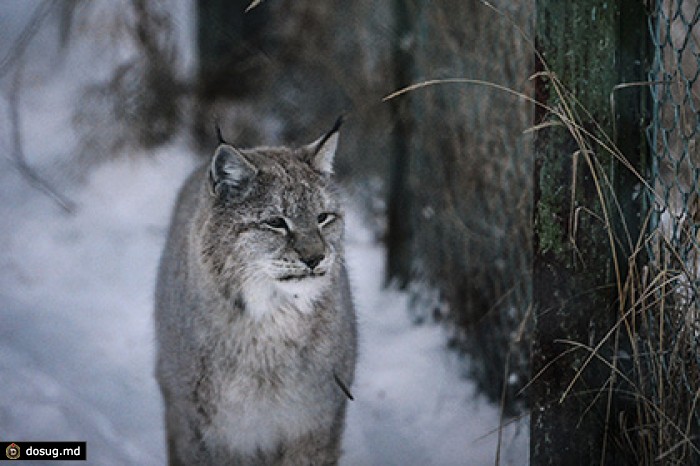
(254, 318)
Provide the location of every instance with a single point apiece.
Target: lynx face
(273, 236)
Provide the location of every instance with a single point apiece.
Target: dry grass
(653, 387)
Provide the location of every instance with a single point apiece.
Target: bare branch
(252, 5)
(16, 51)
(20, 160)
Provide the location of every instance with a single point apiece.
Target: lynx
(255, 327)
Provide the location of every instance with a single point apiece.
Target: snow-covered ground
(76, 333)
(76, 338)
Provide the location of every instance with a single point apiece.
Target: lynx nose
(312, 261)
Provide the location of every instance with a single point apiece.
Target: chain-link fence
(668, 373)
(469, 180)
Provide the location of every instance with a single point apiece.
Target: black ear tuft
(336, 127)
(217, 129)
(320, 153)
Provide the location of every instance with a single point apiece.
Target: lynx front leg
(318, 448)
(185, 445)
(313, 449)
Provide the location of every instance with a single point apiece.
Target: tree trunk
(228, 44)
(399, 205)
(591, 46)
(231, 64)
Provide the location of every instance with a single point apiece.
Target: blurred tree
(399, 257)
(230, 48)
(284, 71)
(461, 178)
(230, 57)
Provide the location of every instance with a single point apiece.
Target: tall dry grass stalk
(653, 386)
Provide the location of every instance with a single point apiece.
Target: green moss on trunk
(573, 281)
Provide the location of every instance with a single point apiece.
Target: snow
(411, 405)
(76, 332)
(76, 338)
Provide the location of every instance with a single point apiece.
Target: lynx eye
(325, 218)
(276, 223)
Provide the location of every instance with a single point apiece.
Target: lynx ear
(321, 152)
(230, 172)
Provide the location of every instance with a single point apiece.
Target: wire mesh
(668, 374)
(471, 185)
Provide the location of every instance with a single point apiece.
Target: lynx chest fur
(256, 336)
